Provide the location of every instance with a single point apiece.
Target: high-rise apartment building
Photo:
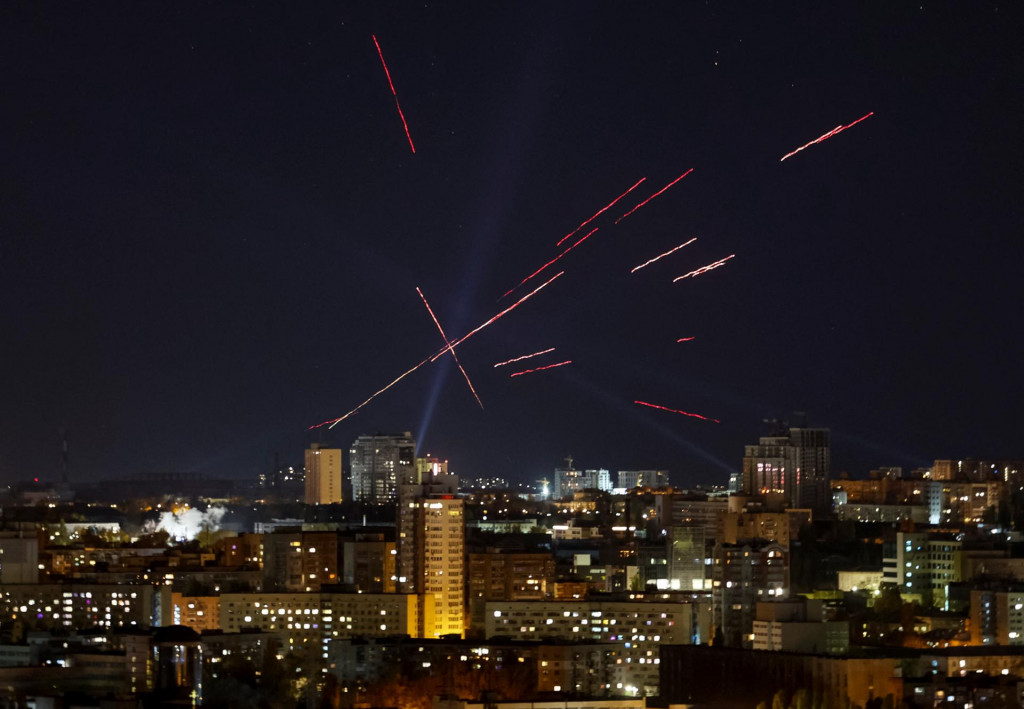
(323, 475)
(431, 545)
(742, 575)
(442, 556)
(427, 477)
(378, 464)
(793, 466)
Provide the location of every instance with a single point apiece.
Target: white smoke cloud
(185, 524)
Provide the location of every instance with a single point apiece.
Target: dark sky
(212, 228)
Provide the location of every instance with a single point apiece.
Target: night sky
(212, 227)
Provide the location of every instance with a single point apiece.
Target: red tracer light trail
(322, 423)
(582, 239)
(835, 131)
(539, 369)
(686, 339)
(451, 346)
(677, 411)
(598, 213)
(704, 269)
(503, 313)
(670, 251)
(517, 359)
(447, 343)
(334, 422)
(393, 93)
(654, 195)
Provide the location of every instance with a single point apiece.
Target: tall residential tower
(431, 547)
(323, 475)
(794, 464)
(378, 464)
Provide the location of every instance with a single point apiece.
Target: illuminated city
(512, 356)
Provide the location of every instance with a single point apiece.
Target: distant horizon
(142, 474)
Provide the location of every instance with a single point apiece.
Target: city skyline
(215, 228)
